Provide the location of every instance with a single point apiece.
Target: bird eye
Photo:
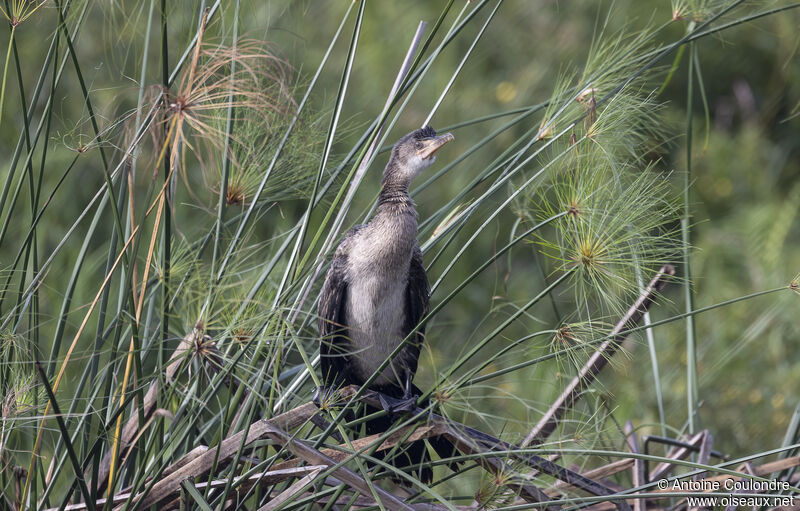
(419, 145)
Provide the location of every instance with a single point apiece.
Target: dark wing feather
(417, 307)
(333, 335)
(334, 344)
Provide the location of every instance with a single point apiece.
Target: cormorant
(376, 291)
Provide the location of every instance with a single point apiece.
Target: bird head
(414, 153)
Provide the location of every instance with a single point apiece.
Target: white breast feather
(376, 302)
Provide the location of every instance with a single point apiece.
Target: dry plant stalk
(132, 429)
(677, 453)
(264, 478)
(638, 478)
(588, 373)
(201, 464)
(472, 441)
(199, 461)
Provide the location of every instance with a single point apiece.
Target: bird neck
(394, 197)
(394, 229)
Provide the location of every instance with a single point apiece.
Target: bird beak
(431, 145)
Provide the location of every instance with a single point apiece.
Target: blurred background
(745, 185)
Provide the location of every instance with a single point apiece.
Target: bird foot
(393, 405)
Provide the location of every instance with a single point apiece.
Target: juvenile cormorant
(376, 290)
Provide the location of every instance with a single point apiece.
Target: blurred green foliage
(745, 183)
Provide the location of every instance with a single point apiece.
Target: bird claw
(394, 405)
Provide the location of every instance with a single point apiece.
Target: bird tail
(411, 457)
